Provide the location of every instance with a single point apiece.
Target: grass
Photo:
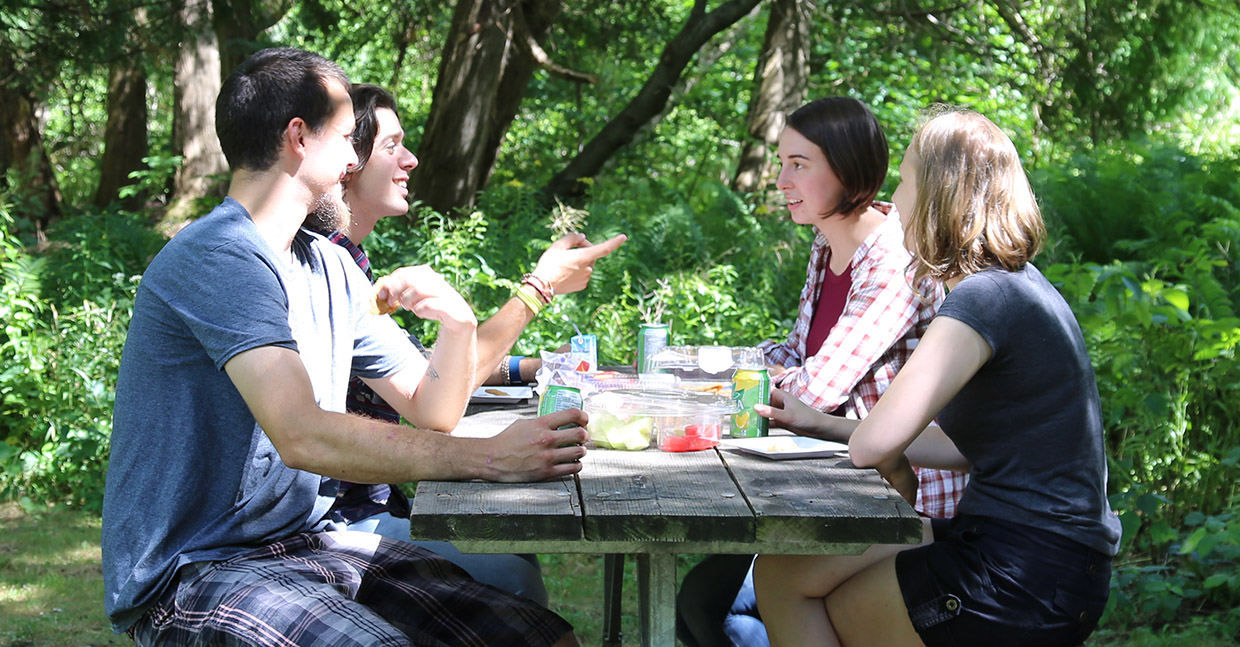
(51, 590)
(51, 583)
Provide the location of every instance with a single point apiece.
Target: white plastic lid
(647, 402)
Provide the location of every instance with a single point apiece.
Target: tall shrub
(65, 314)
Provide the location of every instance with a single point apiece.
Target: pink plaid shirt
(880, 326)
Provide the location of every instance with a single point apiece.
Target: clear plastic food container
(678, 421)
(705, 368)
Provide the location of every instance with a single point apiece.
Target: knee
(515, 574)
(765, 575)
(778, 576)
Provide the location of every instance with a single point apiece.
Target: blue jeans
(716, 606)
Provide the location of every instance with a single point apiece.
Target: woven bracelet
(529, 300)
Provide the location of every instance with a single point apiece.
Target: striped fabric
(338, 589)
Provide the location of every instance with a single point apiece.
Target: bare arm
(566, 266)
(496, 336)
(932, 448)
(947, 357)
(274, 383)
(432, 393)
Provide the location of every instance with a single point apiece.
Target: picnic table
(655, 504)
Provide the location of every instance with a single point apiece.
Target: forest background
(657, 118)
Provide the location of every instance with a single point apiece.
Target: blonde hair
(974, 207)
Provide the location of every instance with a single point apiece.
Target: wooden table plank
(486, 420)
(656, 594)
(514, 512)
(653, 496)
(822, 501)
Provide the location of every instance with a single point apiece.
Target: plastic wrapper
(558, 369)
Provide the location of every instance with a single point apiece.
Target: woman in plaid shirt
(859, 319)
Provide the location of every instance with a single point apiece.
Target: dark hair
(264, 93)
(853, 143)
(367, 99)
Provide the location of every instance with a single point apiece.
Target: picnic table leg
(613, 586)
(656, 585)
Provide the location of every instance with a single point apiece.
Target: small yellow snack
(380, 306)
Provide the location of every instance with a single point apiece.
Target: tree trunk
(779, 88)
(22, 150)
(483, 74)
(124, 138)
(238, 25)
(193, 128)
(651, 99)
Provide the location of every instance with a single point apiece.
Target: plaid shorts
(331, 589)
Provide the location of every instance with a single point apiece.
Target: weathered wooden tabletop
(656, 504)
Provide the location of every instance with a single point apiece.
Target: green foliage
(1160, 318)
(65, 317)
(1180, 570)
(1145, 241)
(396, 46)
(900, 62)
(707, 263)
(97, 256)
(1121, 68)
(154, 178)
(1127, 201)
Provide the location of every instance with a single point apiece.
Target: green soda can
(559, 398)
(651, 338)
(750, 387)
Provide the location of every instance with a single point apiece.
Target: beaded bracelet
(504, 371)
(540, 286)
(528, 299)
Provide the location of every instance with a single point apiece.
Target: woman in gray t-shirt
(1004, 376)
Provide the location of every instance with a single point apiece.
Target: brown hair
(853, 143)
(367, 99)
(975, 208)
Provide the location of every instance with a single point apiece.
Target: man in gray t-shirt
(230, 409)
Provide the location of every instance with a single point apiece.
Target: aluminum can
(651, 338)
(583, 349)
(750, 387)
(559, 398)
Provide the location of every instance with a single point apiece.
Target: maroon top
(830, 305)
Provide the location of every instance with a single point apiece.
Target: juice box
(583, 350)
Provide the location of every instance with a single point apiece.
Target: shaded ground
(51, 589)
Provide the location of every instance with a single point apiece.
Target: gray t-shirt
(1030, 421)
(192, 477)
